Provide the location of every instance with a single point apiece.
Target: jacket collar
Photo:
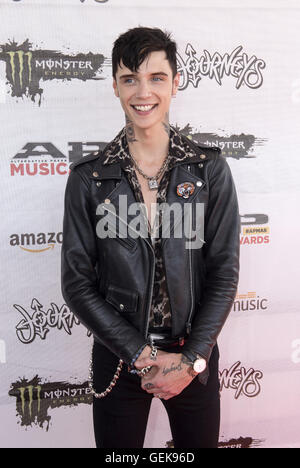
(118, 151)
(115, 155)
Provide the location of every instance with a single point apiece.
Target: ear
(115, 86)
(176, 84)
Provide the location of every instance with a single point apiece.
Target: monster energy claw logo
(21, 68)
(30, 389)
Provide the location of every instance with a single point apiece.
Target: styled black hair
(133, 46)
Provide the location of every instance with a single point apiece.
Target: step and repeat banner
(239, 90)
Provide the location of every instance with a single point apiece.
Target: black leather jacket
(107, 283)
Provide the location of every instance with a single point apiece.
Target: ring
(157, 395)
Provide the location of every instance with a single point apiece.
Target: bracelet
(147, 369)
(139, 352)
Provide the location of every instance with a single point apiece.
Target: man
(154, 303)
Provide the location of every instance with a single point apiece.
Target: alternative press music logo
(25, 68)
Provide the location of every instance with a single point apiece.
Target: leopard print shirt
(160, 312)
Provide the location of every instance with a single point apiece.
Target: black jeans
(120, 418)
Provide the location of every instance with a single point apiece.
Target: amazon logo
(36, 243)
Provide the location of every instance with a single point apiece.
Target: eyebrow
(135, 74)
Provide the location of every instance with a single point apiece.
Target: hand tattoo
(172, 368)
(147, 386)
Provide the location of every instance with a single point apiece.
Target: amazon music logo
(36, 242)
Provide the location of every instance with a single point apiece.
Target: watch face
(199, 365)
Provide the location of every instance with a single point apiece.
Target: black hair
(133, 46)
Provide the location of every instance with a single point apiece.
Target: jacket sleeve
(221, 252)
(79, 281)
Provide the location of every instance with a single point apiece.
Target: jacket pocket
(124, 300)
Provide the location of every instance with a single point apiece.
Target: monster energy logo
(26, 67)
(34, 398)
(23, 60)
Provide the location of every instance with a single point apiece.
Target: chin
(146, 125)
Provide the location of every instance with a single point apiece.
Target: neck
(148, 146)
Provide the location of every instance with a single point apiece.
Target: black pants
(120, 418)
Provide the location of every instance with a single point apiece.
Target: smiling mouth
(144, 109)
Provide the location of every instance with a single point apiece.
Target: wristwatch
(199, 365)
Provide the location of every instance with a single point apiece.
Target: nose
(143, 91)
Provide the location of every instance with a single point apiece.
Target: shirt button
(202, 156)
(98, 184)
(200, 165)
(107, 200)
(95, 174)
(121, 306)
(198, 183)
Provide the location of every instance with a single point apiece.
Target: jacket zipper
(188, 323)
(152, 271)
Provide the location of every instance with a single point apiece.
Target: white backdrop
(56, 105)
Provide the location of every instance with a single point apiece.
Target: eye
(129, 81)
(157, 78)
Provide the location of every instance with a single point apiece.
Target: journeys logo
(25, 68)
(34, 398)
(249, 302)
(246, 69)
(242, 381)
(39, 322)
(36, 243)
(255, 229)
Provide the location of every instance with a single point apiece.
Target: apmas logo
(25, 68)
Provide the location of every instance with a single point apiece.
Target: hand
(170, 374)
(145, 354)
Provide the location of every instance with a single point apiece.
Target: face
(146, 95)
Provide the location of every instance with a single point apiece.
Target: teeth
(143, 108)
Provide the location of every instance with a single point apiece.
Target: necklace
(152, 180)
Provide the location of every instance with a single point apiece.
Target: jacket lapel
(179, 173)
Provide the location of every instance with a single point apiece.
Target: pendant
(153, 184)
